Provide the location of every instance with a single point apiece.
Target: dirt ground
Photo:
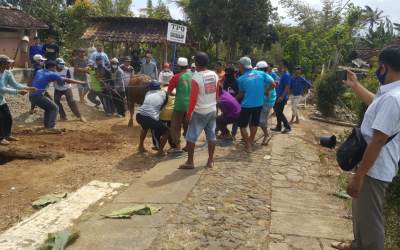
(102, 149)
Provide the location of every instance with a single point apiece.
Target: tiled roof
(127, 29)
(17, 19)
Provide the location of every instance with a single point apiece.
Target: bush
(329, 89)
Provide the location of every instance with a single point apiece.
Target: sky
(391, 8)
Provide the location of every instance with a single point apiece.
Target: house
(17, 28)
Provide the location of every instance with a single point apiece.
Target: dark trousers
(5, 121)
(45, 94)
(92, 98)
(106, 99)
(119, 101)
(280, 116)
(49, 107)
(222, 125)
(70, 100)
(156, 136)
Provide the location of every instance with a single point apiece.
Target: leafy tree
(114, 7)
(294, 49)
(372, 17)
(160, 11)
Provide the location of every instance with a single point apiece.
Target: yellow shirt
(166, 112)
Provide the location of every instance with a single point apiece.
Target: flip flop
(341, 245)
(186, 166)
(4, 142)
(266, 141)
(12, 138)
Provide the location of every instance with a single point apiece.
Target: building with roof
(17, 28)
(131, 32)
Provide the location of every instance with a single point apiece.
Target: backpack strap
(391, 138)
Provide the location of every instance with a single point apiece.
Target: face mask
(381, 77)
(61, 66)
(41, 63)
(115, 66)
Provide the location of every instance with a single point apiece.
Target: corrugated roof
(127, 29)
(17, 19)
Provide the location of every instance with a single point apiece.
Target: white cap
(60, 61)
(262, 65)
(114, 60)
(183, 62)
(38, 58)
(193, 65)
(245, 62)
(25, 38)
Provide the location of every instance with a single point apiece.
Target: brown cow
(137, 89)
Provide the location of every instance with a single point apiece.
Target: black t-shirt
(51, 51)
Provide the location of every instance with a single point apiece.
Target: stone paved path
(277, 198)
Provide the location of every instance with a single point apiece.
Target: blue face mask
(381, 77)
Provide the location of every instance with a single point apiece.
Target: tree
(114, 7)
(294, 50)
(161, 11)
(372, 17)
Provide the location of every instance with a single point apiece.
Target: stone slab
(164, 183)
(317, 226)
(305, 243)
(31, 232)
(305, 201)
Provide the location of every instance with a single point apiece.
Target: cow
(137, 89)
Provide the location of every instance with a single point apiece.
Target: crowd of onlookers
(197, 99)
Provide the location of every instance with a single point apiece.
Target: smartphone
(341, 75)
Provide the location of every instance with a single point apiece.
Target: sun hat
(5, 59)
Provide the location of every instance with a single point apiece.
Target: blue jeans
(200, 122)
(49, 107)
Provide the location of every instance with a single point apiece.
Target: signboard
(176, 33)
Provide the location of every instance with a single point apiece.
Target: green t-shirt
(95, 83)
(183, 92)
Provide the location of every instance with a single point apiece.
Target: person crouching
(149, 116)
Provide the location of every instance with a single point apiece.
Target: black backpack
(351, 152)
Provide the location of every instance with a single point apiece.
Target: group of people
(197, 99)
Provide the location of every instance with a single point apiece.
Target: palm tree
(372, 16)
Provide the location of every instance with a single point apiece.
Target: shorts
(266, 109)
(249, 115)
(146, 122)
(200, 122)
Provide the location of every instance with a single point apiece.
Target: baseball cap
(262, 65)
(155, 85)
(60, 61)
(245, 62)
(298, 67)
(114, 60)
(5, 59)
(25, 38)
(183, 62)
(193, 65)
(38, 57)
(201, 59)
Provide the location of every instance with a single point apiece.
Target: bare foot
(266, 140)
(83, 119)
(142, 150)
(248, 148)
(161, 154)
(210, 164)
(186, 165)
(4, 142)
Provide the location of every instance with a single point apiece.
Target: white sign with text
(176, 33)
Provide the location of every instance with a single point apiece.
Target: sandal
(341, 245)
(12, 138)
(266, 140)
(4, 142)
(186, 166)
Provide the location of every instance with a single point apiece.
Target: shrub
(329, 89)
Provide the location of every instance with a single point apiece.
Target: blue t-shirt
(42, 80)
(35, 50)
(254, 83)
(274, 75)
(298, 85)
(271, 98)
(283, 82)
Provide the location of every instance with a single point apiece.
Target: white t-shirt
(65, 73)
(384, 115)
(207, 81)
(152, 104)
(165, 76)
